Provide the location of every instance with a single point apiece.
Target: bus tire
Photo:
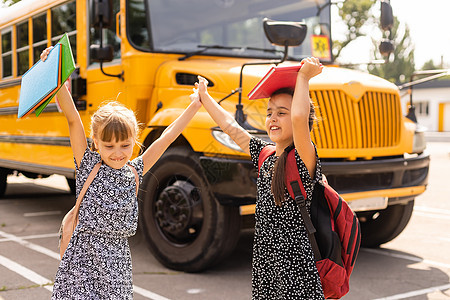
(3, 181)
(383, 226)
(72, 185)
(185, 227)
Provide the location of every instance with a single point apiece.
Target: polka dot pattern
(283, 264)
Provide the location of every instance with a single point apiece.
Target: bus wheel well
(155, 134)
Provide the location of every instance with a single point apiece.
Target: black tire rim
(178, 212)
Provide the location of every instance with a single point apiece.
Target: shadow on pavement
(383, 272)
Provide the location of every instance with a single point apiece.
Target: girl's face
(115, 153)
(278, 120)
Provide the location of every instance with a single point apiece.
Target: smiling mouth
(117, 159)
(274, 127)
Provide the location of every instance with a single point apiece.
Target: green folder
(67, 68)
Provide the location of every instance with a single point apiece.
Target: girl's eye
(108, 146)
(126, 146)
(268, 115)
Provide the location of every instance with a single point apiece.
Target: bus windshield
(225, 27)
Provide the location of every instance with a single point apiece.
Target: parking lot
(416, 265)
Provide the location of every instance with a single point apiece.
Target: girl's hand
(311, 67)
(202, 85)
(195, 98)
(45, 53)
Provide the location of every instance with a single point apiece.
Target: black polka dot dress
(97, 261)
(283, 264)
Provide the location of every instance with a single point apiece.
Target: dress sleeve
(138, 164)
(88, 161)
(256, 145)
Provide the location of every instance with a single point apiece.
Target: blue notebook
(67, 67)
(39, 82)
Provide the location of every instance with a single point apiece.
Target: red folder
(277, 78)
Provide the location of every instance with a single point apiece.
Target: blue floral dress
(283, 261)
(97, 261)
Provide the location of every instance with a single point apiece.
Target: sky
(429, 24)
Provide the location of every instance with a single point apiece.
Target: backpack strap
(295, 188)
(267, 151)
(136, 177)
(87, 183)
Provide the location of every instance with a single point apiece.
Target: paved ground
(416, 265)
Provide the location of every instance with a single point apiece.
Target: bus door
(104, 80)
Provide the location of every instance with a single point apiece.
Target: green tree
(357, 16)
(8, 2)
(354, 13)
(399, 67)
(429, 65)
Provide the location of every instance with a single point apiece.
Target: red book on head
(277, 78)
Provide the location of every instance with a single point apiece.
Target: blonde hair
(114, 120)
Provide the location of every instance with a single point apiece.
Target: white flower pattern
(97, 261)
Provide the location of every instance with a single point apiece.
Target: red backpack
(333, 228)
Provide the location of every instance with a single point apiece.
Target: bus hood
(223, 76)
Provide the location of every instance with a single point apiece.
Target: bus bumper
(398, 180)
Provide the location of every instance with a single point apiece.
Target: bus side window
(22, 48)
(39, 36)
(109, 34)
(64, 20)
(6, 53)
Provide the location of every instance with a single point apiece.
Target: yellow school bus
(147, 54)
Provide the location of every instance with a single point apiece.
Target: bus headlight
(225, 140)
(419, 142)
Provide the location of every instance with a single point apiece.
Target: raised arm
(76, 128)
(225, 121)
(170, 134)
(300, 113)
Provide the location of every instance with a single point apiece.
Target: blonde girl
(283, 262)
(97, 261)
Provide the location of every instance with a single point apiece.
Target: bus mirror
(285, 33)
(101, 54)
(101, 13)
(387, 17)
(386, 47)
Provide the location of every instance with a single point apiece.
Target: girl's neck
(280, 146)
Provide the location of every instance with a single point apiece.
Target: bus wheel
(3, 180)
(185, 227)
(385, 225)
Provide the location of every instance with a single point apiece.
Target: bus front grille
(345, 123)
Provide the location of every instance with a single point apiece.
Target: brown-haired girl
(97, 261)
(283, 262)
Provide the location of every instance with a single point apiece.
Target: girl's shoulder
(304, 171)
(256, 145)
(88, 161)
(138, 164)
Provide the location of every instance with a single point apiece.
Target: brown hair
(113, 120)
(279, 169)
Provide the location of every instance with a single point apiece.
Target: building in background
(432, 102)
